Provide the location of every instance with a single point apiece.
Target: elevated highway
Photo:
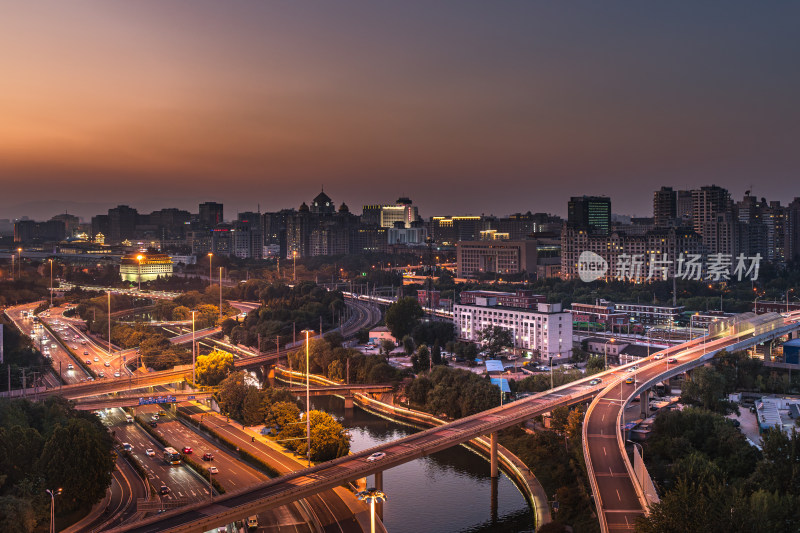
(622, 495)
(306, 482)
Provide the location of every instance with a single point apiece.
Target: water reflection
(449, 491)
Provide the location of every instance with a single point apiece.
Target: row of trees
(47, 445)
(329, 358)
(286, 311)
(452, 392)
(712, 479)
(240, 398)
(19, 353)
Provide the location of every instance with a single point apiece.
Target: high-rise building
(707, 202)
(121, 224)
(792, 225)
(210, 215)
(402, 211)
(71, 223)
(590, 213)
(665, 207)
(684, 207)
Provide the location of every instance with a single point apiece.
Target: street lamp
(19, 262)
(210, 255)
(691, 320)
(109, 324)
(193, 348)
(787, 299)
(51, 282)
(53, 493)
(605, 349)
(308, 399)
(220, 292)
(139, 258)
(371, 495)
(294, 266)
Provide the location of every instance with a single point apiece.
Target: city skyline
(479, 110)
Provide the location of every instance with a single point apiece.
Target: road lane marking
(618, 495)
(604, 450)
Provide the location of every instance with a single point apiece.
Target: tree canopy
(402, 316)
(213, 367)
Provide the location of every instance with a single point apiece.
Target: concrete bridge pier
(493, 461)
(348, 401)
(379, 486)
(494, 505)
(644, 400)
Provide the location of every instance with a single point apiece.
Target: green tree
(232, 392)
(594, 365)
(421, 360)
(16, 515)
(336, 370)
(329, 439)
(212, 368)
(280, 414)
(402, 316)
(494, 339)
(387, 346)
(408, 345)
(253, 408)
(78, 457)
(707, 389)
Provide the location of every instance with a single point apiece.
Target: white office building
(545, 331)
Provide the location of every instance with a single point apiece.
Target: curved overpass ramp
(622, 497)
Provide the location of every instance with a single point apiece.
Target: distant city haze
(464, 107)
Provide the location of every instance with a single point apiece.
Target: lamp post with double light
(294, 266)
(210, 277)
(371, 495)
(53, 493)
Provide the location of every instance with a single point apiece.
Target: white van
(129, 419)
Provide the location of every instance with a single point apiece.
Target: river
(447, 492)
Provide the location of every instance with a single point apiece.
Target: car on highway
(74, 346)
(634, 368)
(101, 374)
(164, 489)
(595, 381)
(213, 470)
(127, 446)
(377, 456)
(672, 360)
(70, 367)
(88, 361)
(106, 364)
(150, 452)
(187, 450)
(658, 356)
(629, 380)
(152, 424)
(53, 346)
(116, 374)
(208, 456)
(86, 352)
(96, 359)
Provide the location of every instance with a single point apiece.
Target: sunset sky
(465, 107)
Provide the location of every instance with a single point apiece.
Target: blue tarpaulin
(494, 366)
(502, 383)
